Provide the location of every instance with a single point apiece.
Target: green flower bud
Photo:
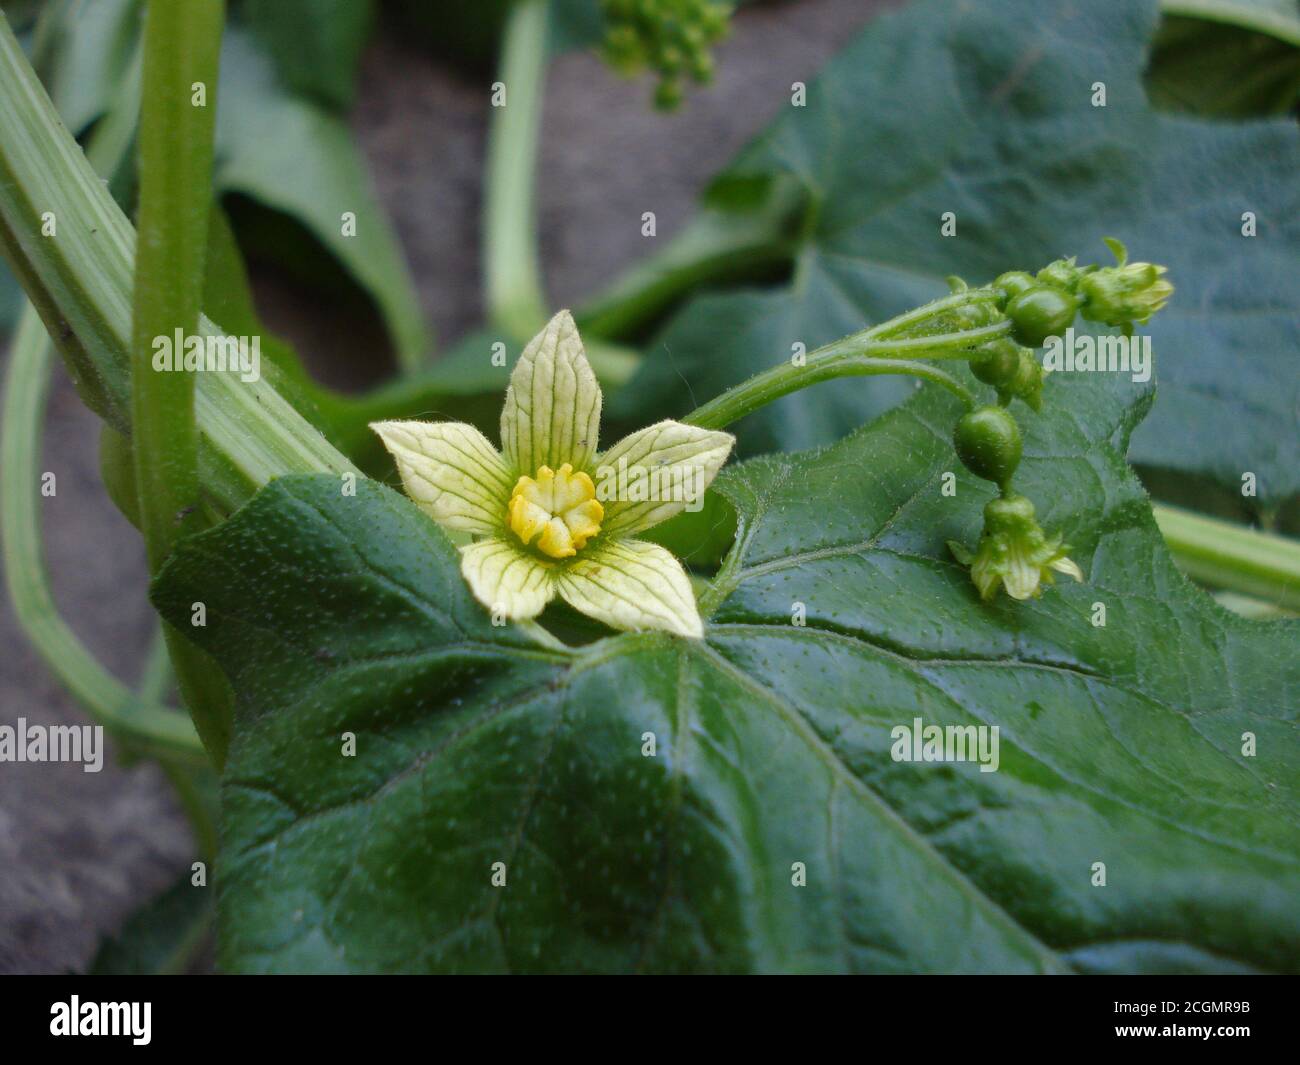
(668, 95)
(671, 37)
(1040, 312)
(622, 50)
(1062, 274)
(1124, 293)
(702, 67)
(988, 443)
(670, 59)
(1013, 552)
(1012, 284)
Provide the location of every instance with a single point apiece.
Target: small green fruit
(988, 443)
(1040, 312)
(997, 362)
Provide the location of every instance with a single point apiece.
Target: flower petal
(1067, 565)
(451, 471)
(630, 584)
(552, 411)
(669, 463)
(506, 578)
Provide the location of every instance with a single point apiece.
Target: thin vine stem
(141, 722)
(853, 356)
(156, 676)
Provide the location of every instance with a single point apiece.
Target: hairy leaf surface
(1119, 743)
(986, 111)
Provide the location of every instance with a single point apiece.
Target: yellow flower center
(560, 505)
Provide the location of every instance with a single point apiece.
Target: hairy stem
(182, 51)
(853, 356)
(182, 46)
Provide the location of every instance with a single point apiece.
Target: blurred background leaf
(1227, 58)
(162, 937)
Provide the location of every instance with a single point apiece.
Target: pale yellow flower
(1013, 552)
(550, 515)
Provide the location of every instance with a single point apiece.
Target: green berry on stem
(988, 443)
(996, 363)
(1040, 312)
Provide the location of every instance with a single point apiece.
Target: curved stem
(716, 247)
(851, 357)
(156, 676)
(512, 274)
(153, 727)
(905, 321)
(940, 346)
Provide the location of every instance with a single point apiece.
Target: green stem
(182, 50)
(1271, 19)
(1224, 555)
(156, 676)
(854, 356)
(81, 283)
(182, 47)
(903, 322)
(511, 261)
(196, 801)
(140, 722)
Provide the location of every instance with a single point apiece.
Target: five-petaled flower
(1014, 552)
(540, 529)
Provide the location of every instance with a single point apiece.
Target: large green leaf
(295, 156)
(985, 110)
(1120, 744)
